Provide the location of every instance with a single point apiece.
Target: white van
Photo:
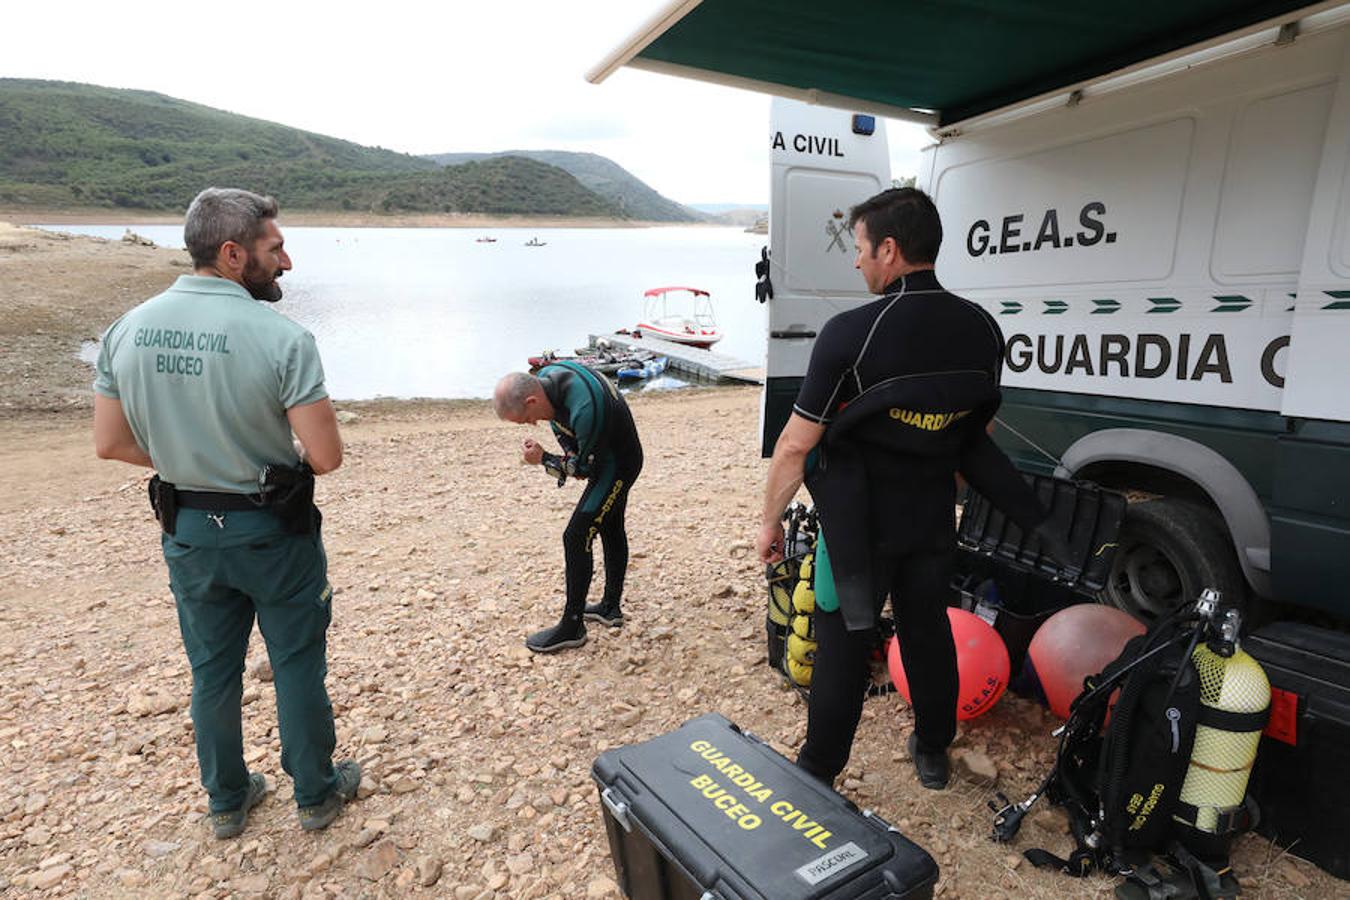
(1167, 249)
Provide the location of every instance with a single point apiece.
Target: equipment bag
(788, 625)
(790, 622)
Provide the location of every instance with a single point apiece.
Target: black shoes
(605, 613)
(932, 767)
(562, 636)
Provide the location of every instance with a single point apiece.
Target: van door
(824, 161)
(1310, 513)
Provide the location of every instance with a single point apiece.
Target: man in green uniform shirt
(206, 385)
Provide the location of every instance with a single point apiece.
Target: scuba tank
(1234, 708)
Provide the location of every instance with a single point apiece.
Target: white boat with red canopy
(679, 321)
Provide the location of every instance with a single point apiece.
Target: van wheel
(1169, 550)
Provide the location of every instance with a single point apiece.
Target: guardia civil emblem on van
(836, 228)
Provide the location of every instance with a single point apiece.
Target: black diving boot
(568, 633)
(606, 613)
(932, 768)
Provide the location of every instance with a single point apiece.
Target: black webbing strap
(1224, 720)
(1234, 819)
(1081, 863)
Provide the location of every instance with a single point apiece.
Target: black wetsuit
(917, 333)
(600, 444)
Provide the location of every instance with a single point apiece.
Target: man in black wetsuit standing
(896, 401)
(600, 444)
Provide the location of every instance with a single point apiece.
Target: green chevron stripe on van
(1340, 300)
(1010, 308)
(1055, 307)
(1105, 307)
(1163, 304)
(1232, 303)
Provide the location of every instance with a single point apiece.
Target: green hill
(632, 196)
(67, 145)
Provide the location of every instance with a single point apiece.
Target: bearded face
(260, 279)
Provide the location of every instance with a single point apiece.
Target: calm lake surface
(428, 312)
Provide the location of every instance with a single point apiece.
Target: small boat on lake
(535, 242)
(649, 369)
(682, 321)
(485, 240)
(602, 361)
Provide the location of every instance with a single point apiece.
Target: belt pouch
(164, 501)
(293, 504)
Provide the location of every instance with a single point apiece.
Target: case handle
(617, 808)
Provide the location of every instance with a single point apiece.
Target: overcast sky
(424, 78)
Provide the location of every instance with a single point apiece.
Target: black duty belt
(218, 500)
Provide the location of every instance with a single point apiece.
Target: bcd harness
(1167, 773)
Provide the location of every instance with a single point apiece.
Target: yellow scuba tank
(1234, 707)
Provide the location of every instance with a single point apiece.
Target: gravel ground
(444, 553)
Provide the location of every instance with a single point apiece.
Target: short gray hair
(218, 215)
(509, 397)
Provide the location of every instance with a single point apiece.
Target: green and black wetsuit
(595, 429)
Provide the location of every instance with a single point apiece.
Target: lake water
(429, 312)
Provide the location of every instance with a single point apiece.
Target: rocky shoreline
(444, 552)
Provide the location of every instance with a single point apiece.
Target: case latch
(617, 808)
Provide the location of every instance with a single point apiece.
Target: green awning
(953, 58)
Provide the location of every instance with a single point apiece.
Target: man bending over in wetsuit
(600, 444)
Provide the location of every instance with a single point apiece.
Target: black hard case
(672, 842)
(1085, 516)
(1301, 789)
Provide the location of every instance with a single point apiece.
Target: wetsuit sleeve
(989, 470)
(302, 373)
(830, 363)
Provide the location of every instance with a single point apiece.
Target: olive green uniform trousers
(224, 569)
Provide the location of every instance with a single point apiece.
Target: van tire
(1169, 550)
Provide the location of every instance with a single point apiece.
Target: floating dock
(705, 365)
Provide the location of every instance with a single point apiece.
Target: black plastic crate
(708, 812)
(1299, 781)
(1086, 516)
